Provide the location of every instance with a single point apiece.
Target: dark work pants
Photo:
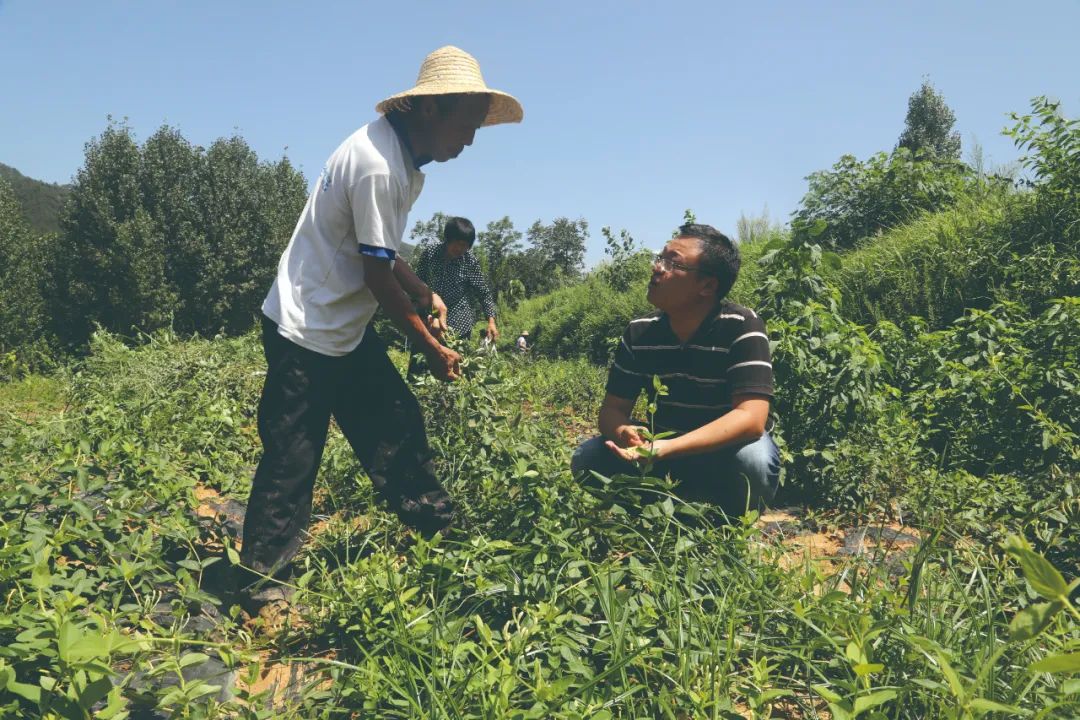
(378, 415)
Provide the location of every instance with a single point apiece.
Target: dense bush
(857, 200)
(171, 234)
(24, 286)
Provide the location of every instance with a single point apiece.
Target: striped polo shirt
(727, 356)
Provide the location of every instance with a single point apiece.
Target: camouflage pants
(378, 415)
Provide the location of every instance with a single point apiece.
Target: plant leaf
(1063, 662)
(866, 702)
(1032, 620)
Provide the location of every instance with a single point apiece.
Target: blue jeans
(733, 478)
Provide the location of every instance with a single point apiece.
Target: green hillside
(40, 201)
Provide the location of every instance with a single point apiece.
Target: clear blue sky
(633, 111)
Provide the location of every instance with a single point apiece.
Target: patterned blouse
(454, 280)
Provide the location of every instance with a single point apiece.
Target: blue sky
(634, 111)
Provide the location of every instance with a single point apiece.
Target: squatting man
(713, 356)
(323, 357)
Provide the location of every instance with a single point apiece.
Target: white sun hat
(452, 71)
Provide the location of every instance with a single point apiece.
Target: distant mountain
(41, 201)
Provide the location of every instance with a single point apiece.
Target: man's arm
(615, 422)
(388, 290)
(425, 296)
(744, 423)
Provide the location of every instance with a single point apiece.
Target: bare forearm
(738, 426)
(610, 422)
(399, 308)
(410, 282)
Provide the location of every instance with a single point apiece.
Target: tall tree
(426, 233)
(171, 233)
(498, 242)
(928, 126)
(562, 246)
(23, 276)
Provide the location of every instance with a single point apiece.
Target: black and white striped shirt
(727, 356)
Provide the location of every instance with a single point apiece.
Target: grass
(562, 600)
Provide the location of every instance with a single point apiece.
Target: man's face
(450, 132)
(456, 249)
(672, 289)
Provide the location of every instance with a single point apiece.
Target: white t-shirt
(363, 197)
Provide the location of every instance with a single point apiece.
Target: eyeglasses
(666, 264)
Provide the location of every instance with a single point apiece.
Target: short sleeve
(624, 378)
(376, 202)
(750, 371)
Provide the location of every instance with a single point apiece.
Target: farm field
(922, 558)
(555, 600)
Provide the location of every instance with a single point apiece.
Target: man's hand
(628, 436)
(445, 364)
(437, 321)
(631, 454)
(493, 332)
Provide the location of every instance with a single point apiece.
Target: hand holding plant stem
(642, 445)
(436, 320)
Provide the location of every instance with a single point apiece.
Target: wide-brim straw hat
(452, 71)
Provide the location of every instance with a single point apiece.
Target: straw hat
(451, 71)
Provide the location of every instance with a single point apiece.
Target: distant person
(324, 358)
(713, 356)
(452, 271)
(523, 342)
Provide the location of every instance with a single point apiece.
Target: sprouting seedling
(646, 451)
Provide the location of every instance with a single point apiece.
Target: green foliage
(857, 200)
(427, 233)
(938, 265)
(1055, 143)
(928, 126)
(170, 233)
(627, 261)
(561, 246)
(582, 320)
(560, 599)
(756, 228)
(998, 390)
(498, 242)
(24, 287)
(40, 202)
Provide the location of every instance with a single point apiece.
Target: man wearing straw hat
(323, 357)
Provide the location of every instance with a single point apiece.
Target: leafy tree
(170, 233)
(105, 195)
(530, 269)
(627, 260)
(23, 276)
(498, 242)
(561, 245)
(426, 233)
(1054, 142)
(928, 127)
(856, 200)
